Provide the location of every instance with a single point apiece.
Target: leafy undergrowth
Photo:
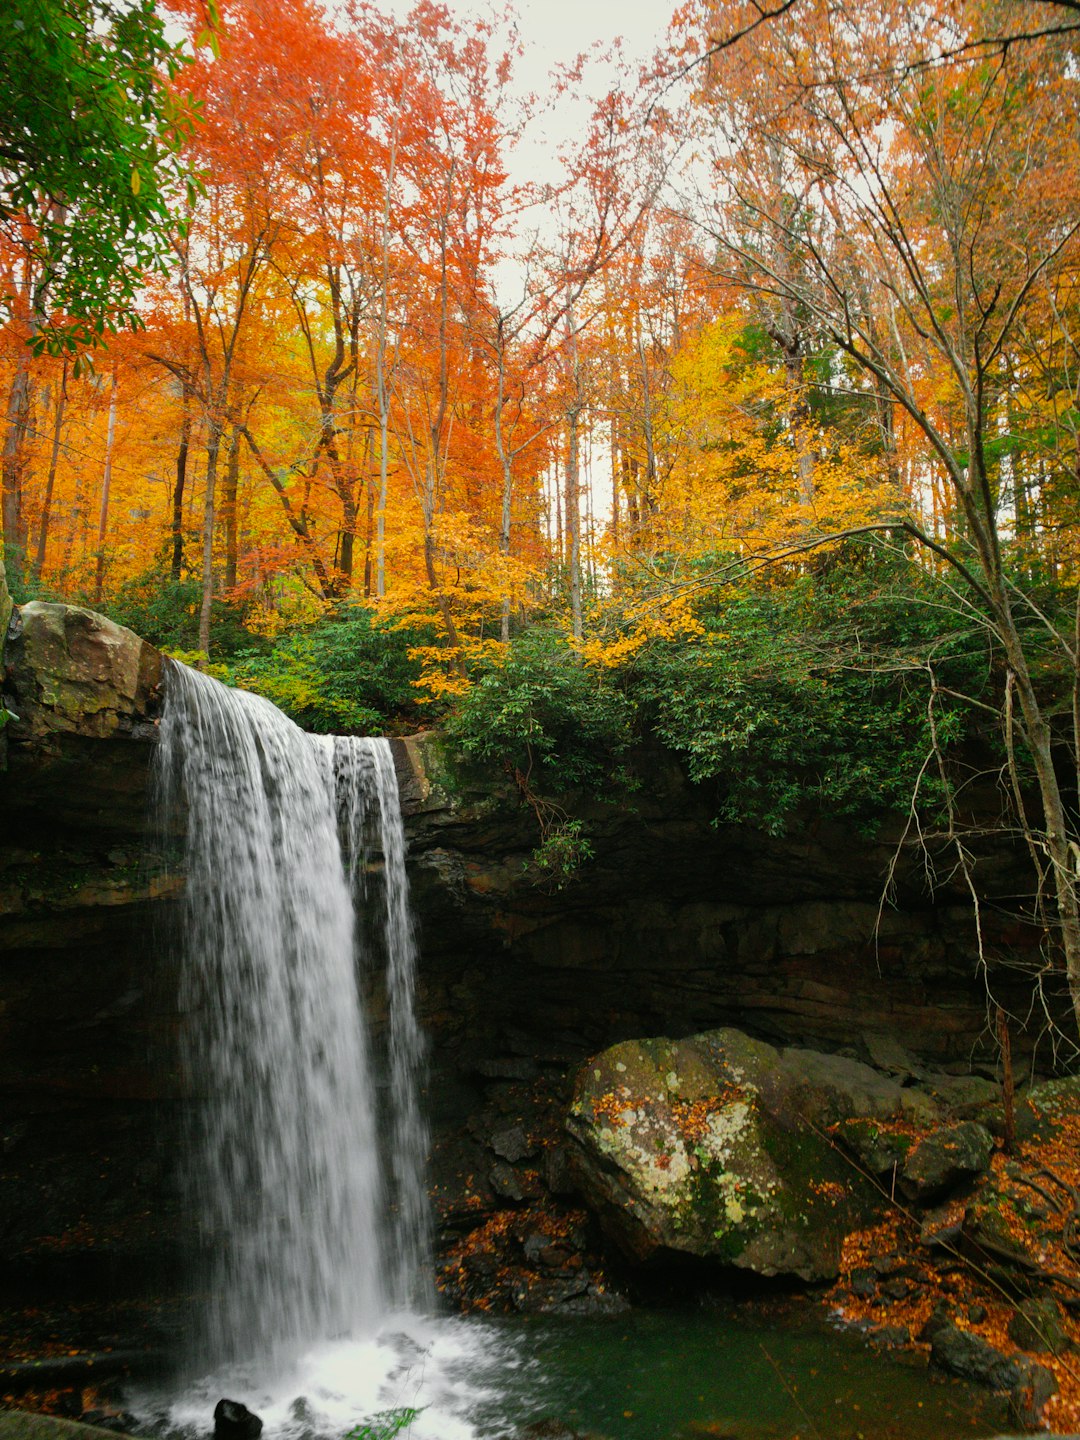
(531, 1259)
(896, 1276)
(517, 1246)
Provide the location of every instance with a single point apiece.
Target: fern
(384, 1424)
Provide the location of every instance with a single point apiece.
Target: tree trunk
(507, 490)
(297, 521)
(458, 662)
(369, 528)
(616, 505)
(228, 508)
(14, 458)
(380, 514)
(346, 563)
(504, 547)
(560, 547)
(177, 563)
(213, 447)
(1037, 735)
(790, 345)
(54, 459)
(106, 487)
(573, 522)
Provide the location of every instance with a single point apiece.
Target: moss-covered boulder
(699, 1147)
(881, 1150)
(1055, 1101)
(83, 696)
(994, 1231)
(75, 672)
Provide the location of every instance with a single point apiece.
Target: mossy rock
(987, 1229)
(1055, 1100)
(75, 672)
(690, 1147)
(947, 1157)
(880, 1151)
(28, 1425)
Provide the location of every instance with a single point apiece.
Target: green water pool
(676, 1374)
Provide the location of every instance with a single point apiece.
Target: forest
(756, 429)
(631, 980)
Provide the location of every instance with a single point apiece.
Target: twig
(789, 1391)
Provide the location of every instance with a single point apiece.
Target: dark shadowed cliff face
(675, 928)
(677, 924)
(87, 1003)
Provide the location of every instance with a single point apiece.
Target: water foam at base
(451, 1371)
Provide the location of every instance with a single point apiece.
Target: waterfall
(294, 858)
(364, 787)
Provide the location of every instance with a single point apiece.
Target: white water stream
(318, 1306)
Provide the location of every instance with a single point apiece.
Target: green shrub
(816, 694)
(166, 613)
(349, 673)
(545, 715)
(563, 852)
(384, 1425)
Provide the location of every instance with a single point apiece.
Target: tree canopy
(755, 428)
(90, 169)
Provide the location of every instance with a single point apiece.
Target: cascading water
(287, 1183)
(295, 883)
(365, 792)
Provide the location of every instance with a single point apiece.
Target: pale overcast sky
(554, 33)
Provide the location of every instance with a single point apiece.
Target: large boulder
(84, 695)
(74, 672)
(715, 1147)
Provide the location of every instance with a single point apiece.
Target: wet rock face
(703, 1147)
(678, 925)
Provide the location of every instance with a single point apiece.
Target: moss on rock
(688, 1147)
(78, 673)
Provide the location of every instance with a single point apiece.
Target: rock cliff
(87, 1003)
(677, 927)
